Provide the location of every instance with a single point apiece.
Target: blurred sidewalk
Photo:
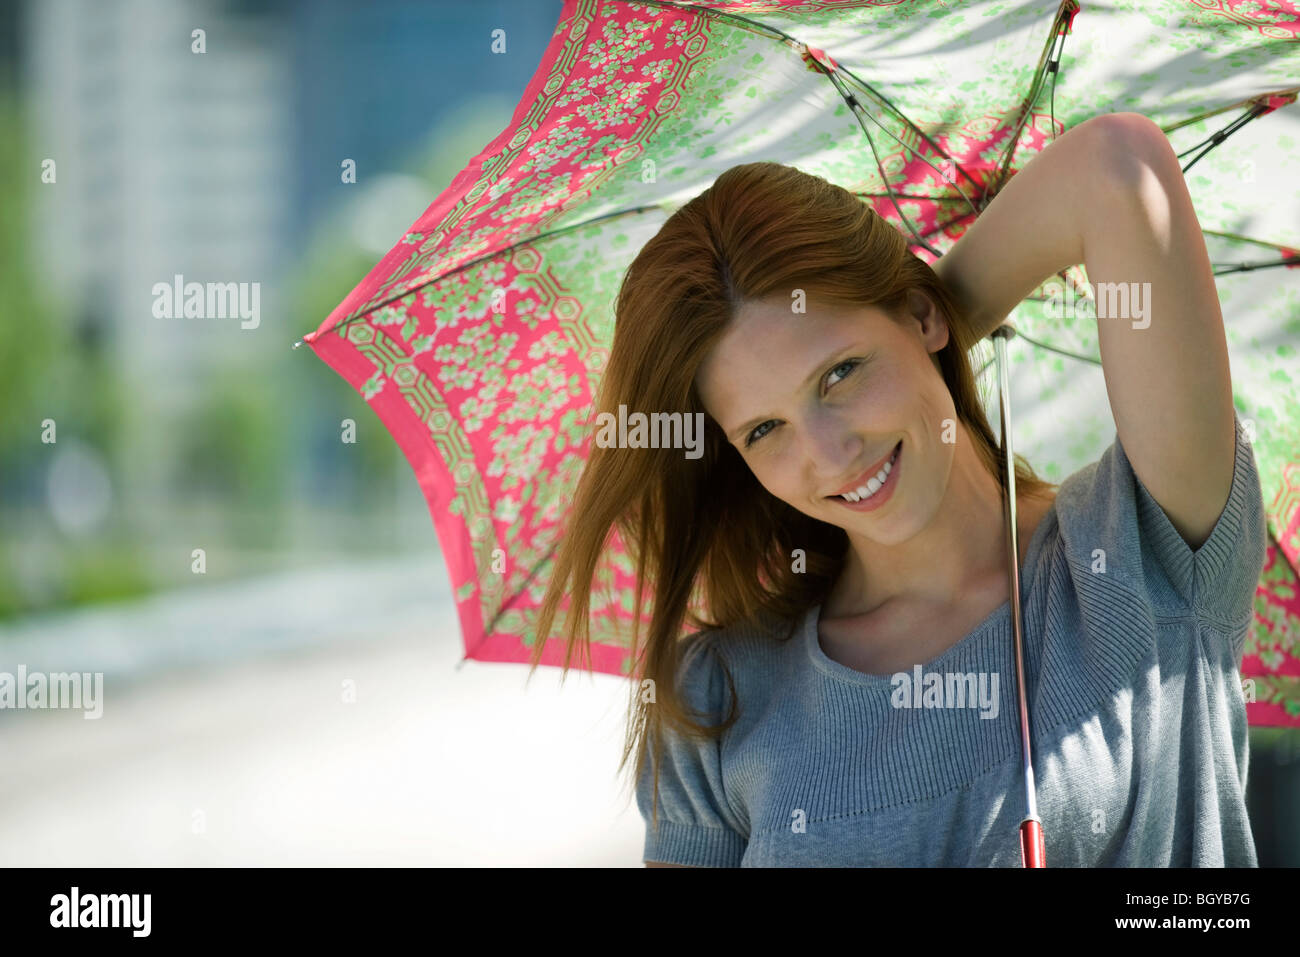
(226, 740)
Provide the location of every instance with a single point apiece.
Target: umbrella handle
(1033, 852)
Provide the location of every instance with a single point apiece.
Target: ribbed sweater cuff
(696, 846)
(1210, 577)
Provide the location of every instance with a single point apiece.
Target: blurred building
(225, 166)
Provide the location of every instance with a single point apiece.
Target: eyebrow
(740, 430)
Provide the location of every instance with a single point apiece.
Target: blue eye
(851, 363)
(749, 439)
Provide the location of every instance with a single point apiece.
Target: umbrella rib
(1251, 267)
(1060, 352)
(1246, 239)
(1289, 256)
(1054, 67)
(529, 240)
(1050, 348)
(941, 226)
(867, 88)
(876, 156)
(1232, 127)
(854, 104)
(1289, 92)
(1221, 135)
(1239, 267)
(1048, 62)
(849, 99)
(932, 199)
(506, 605)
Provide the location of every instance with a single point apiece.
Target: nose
(832, 444)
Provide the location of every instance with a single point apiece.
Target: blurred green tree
(51, 370)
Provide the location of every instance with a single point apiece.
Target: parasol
(480, 338)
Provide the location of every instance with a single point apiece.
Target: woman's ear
(933, 325)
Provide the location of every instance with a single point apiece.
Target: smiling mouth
(884, 469)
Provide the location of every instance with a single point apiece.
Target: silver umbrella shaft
(1031, 827)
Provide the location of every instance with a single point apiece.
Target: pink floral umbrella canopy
(480, 338)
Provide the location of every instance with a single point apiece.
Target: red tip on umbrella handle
(1032, 851)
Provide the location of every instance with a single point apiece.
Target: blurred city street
(234, 745)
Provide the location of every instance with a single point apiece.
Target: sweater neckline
(971, 646)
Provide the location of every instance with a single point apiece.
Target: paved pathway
(225, 739)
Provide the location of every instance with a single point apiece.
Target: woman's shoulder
(740, 641)
(748, 651)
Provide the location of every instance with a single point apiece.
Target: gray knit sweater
(1135, 704)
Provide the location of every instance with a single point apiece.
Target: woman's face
(815, 401)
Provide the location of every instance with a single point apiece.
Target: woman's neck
(961, 549)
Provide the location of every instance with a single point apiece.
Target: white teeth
(872, 486)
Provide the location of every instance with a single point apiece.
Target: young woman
(841, 541)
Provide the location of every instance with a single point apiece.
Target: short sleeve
(696, 824)
(1106, 511)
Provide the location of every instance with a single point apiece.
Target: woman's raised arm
(1033, 228)
(1110, 194)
